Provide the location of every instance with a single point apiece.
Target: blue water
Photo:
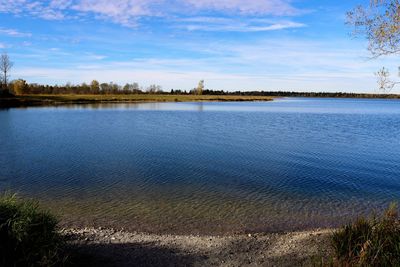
(290, 164)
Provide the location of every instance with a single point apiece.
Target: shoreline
(24, 101)
(59, 100)
(110, 247)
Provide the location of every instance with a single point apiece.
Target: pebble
(248, 255)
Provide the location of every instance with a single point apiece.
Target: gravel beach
(109, 247)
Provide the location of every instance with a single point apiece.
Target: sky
(270, 45)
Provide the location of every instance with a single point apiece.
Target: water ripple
(224, 167)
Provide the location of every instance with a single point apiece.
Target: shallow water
(290, 164)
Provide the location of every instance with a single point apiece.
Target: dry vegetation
(32, 100)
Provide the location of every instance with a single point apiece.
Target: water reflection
(286, 105)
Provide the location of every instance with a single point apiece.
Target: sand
(109, 247)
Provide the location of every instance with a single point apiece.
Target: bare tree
(154, 89)
(379, 22)
(384, 82)
(94, 87)
(5, 67)
(200, 88)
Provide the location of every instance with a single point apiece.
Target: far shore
(109, 247)
(53, 100)
(77, 99)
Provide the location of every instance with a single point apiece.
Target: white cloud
(127, 12)
(260, 7)
(14, 33)
(96, 56)
(232, 25)
(60, 4)
(32, 8)
(266, 65)
(187, 79)
(12, 6)
(2, 46)
(124, 12)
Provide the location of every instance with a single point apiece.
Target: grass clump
(28, 234)
(369, 242)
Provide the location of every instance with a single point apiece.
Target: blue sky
(232, 44)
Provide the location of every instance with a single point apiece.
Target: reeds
(369, 242)
(28, 234)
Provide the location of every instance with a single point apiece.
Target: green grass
(369, 242)
(28, 234)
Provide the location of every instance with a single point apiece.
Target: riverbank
(53, 100)
(108, 247)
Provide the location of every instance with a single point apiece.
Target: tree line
(21, 87)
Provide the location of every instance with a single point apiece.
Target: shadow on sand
(131, 254)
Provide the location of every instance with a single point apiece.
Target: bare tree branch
(379, 23)
(5, 67)
(384, 82)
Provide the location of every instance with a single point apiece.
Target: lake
(206, 168)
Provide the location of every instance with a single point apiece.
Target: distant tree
(126, 88)
(159, 89)
(84, 89)
(200, 88)
(5, 67)
(19, 87)
(151, 89)
(135, 88)
(114, 88)
(379, 22)
(105, 88)
(94, 87)
(131, 88)
(154, 89)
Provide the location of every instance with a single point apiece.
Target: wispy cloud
(235, 25)
(41, 9)
(286, 64)
(96, 56)
(124, 12)
(252, 7)
(128, 12)
(14, 33)
(315, 81)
